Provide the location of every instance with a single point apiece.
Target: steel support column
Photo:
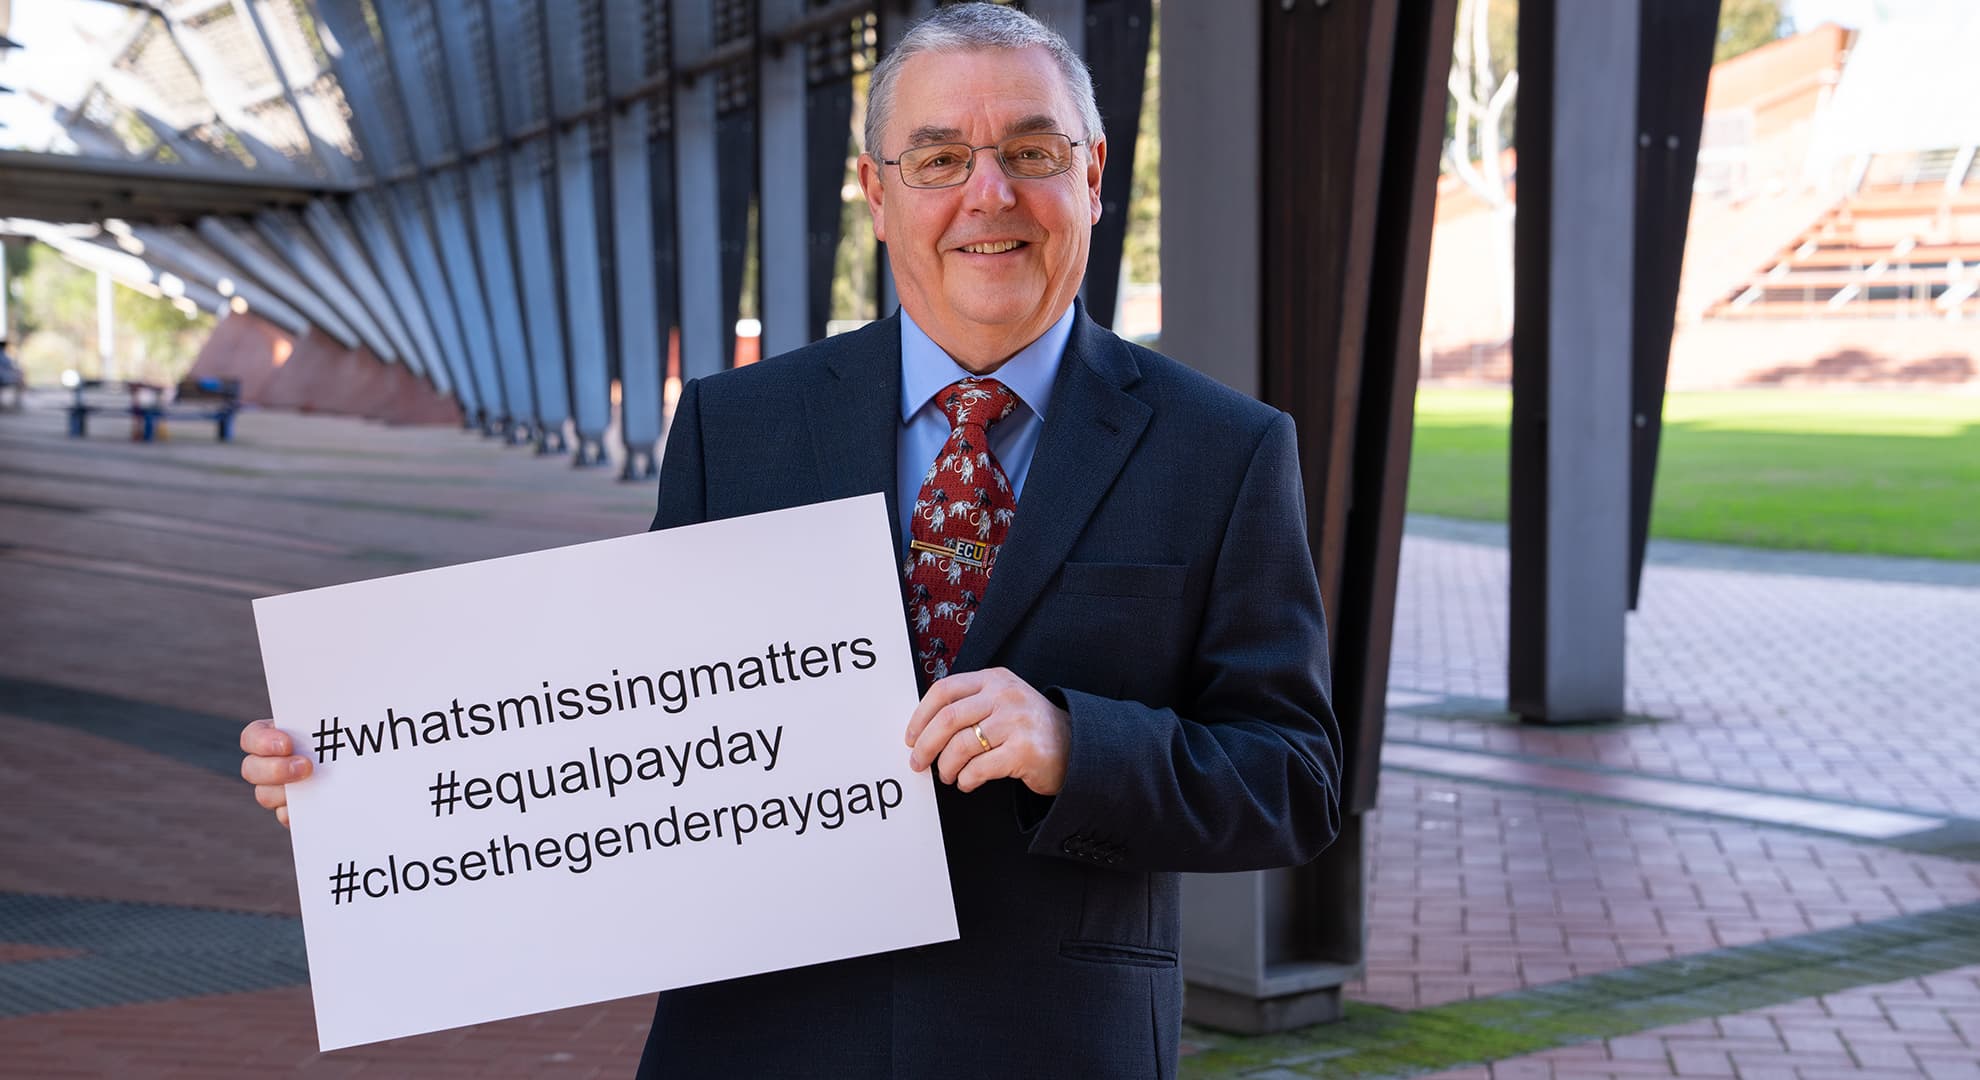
(282, 234)
(1573, 248)
(464, 37)
(333, 235)
(230, 239)
(371, 220)
(895, 16)
(439, 204)
(1674, 64)
(634, 41)
(783, 184)
(575, 49)
(400, 241)
(706, 343)
(517, 37)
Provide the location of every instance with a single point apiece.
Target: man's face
(983, 306)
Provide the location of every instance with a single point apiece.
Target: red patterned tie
(960, 519)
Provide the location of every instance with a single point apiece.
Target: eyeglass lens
(1023, 157)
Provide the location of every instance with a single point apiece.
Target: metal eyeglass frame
(969, 169)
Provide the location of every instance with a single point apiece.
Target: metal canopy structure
(543, 210)
(60, 189)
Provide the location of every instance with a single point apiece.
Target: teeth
(991, 249)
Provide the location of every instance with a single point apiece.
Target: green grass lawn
(1885, 473)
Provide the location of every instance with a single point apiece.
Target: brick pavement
(1922, 1027)
(1852, 689)
(124, 573)
(1475, 890)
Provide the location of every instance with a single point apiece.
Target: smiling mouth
(994, 248)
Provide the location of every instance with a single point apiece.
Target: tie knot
(982, 402)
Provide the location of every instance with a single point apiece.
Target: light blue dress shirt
(926, 369)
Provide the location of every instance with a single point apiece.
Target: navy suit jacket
(1157, 583)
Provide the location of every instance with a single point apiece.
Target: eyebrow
(930, 133)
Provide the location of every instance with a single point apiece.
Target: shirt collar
(926, 369)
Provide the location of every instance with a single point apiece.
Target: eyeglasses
(1022, 157)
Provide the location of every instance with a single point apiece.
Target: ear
(870, 175)
(1096, 161)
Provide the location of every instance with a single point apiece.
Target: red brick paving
(1813, 687)
(1854, 690)
(1925, 1027)
(1476, 890)
(12, 953)
(274, 1033)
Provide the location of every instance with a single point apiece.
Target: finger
(282, 815)
(955, 717)
(995, 763)
(275, 770)
(939, 696)
(263, 739)
(963, 746)
(271, 796)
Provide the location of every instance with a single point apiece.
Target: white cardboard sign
(603, 770)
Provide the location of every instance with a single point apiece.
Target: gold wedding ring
(979, 736)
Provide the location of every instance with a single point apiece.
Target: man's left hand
(1029, 736)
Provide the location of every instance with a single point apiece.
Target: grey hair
(971, 27)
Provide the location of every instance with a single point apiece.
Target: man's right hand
(270, 764)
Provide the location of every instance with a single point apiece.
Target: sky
(56, 59)
(1808, 14)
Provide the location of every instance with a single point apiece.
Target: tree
(57, 319)
(1745, 25)
(1484, 81)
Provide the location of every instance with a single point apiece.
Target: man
(1109, 592)
(10, 377)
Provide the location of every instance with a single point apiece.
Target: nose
(987, 187)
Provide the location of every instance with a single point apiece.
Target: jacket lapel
(1093, 427)
(854, 411)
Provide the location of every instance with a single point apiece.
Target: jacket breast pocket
(1152, 581)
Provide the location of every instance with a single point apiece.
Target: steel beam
(1674, 64)
(333, 235)
(895, 16)
(372, 222)
(231, 239)
(327, 156)
(517, 37)
(181, 251)
(464, 35)
(573, 46)
(643, 312)
(783, 185)
(220, 89)
(73, 187)
(412, 45)
(705, 342)
(400, 242)
(289, 241)
(1573, 249)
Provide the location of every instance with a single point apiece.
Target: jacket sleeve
(1245, 773)
(683, 485)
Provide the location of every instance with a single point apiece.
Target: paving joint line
(1377, 1041)
(1919, 832)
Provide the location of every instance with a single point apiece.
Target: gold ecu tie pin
(967, 552)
